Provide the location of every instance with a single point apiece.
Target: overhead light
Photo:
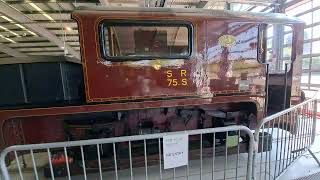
(6, 18)
(35, 6)
(31, 32)
(68, 28)
(6, 29)
(22, 27)
(8, 39)
(41, 11)
(47, 16)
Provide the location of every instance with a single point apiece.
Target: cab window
(145, 40)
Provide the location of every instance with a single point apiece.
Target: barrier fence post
(4, 170)
(314, 126)
(314, 118)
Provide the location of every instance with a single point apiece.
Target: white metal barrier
(135, 157)
(291, 133)
(215, 153)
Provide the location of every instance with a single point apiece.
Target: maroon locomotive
(147, 71)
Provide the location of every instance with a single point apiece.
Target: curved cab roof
(273, 18)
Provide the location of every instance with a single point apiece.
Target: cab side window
(145, 39)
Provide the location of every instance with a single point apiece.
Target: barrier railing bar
(115, 160)
(50, 164)
(18, 163)
(306, 127)
(269, 123)
(67, 162)
(314, 115)
(83, 163)
(213, 154)
(310, 122)
(261, 155)
(289, 142)
(286, 146)
(145, 158)
(270, 157)
(99, 161)
(200, 156)
(275, 167)
(160, 170)
(130, 161)
(281, 144)
(296, 134)
(302, 122)
(34, 165)
(226, 157)
(238, 152)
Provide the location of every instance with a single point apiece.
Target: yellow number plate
(177, 79)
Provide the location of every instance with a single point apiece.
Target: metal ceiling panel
(29, 39)
(65, 6)
(72, 24)
(56, 16)
(42, 6)
(46, 53)
(54, 6)
(76, 43)
(33, 49)
(21, 18)
(12, 52)
(30, 44)
(72, 32)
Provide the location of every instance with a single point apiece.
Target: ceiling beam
(45, 22)
(12, 52)
(40, 46)
(63, 12)
(251, 2)
(40, 41)
(51, 1)
(104, 2)
(295, 3)
(21, 18)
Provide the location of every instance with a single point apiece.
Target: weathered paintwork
(211, 70)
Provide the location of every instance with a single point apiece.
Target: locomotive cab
(160, 54)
